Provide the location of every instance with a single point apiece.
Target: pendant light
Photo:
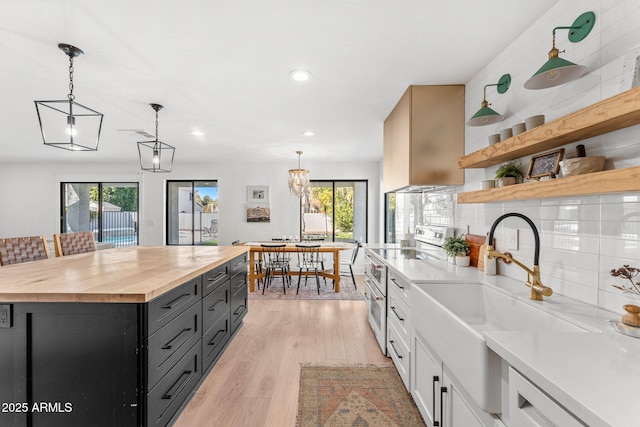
(78, 129)
(486, 115)
(156, 156)
(299, 180)
(557, 71)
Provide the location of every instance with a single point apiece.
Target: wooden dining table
(333, 247)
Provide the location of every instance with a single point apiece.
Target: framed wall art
(545, 164)
(257, 194)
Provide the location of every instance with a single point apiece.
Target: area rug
(354, 395)
(310, 291)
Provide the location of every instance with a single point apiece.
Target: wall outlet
(5, 316)
(512, 239)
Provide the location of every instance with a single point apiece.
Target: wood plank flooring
(255, 382)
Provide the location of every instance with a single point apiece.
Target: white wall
(30, 195)
(583, 238)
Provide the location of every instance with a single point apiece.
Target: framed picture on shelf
(545, 164)
(257, 194)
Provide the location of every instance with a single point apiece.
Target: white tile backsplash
(582, 238)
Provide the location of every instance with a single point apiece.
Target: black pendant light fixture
(65, 123)
(156, 156)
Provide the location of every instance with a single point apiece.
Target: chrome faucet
(538, 290)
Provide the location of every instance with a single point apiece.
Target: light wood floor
(255, 382)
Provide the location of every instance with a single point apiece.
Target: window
(335, 210)
(192, 213)
(109, 210)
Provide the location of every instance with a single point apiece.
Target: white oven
(376, 299)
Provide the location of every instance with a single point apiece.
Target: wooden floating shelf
(611, 181)
(617, 112)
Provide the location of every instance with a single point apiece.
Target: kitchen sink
(452, 319)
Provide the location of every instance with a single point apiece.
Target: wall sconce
(156, 156)
(486, 115)
(80, 128)
(557, 71)
(299, 180)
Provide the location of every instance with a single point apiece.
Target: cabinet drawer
(213, 279)
(239, 284)
(238, 311)
(166, 397)
(399, 354)
(400, 315)
(168, 306)
(167, 345)
(214, 306)
(214, 340)
(401, 285)
(239, 264)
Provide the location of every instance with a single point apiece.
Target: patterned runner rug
(310, 291)
(354, 395)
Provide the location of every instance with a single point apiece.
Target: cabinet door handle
(240, 284)
(396, 313)
(169, 344)
(213, 307)
(239, 310)
(218, 277)
(178, 301)
(394, 349)
(433, 403)
(443, 390)
(396, 283)
(215, 337)
(177, 385)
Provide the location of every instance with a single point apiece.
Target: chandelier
(78, 129)
(156, 156)
(299, 180)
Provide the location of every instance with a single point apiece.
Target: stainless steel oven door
(377, 309)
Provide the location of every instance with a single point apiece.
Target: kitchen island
(115, 337)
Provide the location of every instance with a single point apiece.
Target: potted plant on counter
(457, 248)
(509, 173)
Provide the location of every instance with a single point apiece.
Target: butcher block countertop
(119, 275)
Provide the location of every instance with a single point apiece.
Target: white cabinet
(441, 401)
(399, 325)
(531, 407)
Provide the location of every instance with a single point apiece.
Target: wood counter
(120, 275)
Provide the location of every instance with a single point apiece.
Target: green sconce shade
(486, 115)
(557, 71)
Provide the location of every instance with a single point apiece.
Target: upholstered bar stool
(15, 250)
(74, 243)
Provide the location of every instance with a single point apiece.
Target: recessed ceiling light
(308, 133)
(197, 133)
(300, 75)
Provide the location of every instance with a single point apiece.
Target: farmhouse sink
(452, 319)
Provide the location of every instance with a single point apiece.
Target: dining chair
(74, 243)
(274, 259)
(352, 261)
(16, 250)
(309, 259)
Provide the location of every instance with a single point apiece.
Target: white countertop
(595, 375)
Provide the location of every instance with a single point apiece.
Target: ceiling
(222, 67)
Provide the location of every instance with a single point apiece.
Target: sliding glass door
(192, 213)
(335, 210)
(109, 210)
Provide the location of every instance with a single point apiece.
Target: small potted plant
(629, 286)
(457, 248)
(509, 173)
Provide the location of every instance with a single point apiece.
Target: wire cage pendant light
(156, 156)
(65, 123)
(299, 180)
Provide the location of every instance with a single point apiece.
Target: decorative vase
(463, 261)
(451, 259)
(507, 180)
(632, 317)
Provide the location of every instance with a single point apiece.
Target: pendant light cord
(71, 96)
(156, 125)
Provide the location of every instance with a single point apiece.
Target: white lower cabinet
(398, 325)
(531, 407)
(441, 401)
